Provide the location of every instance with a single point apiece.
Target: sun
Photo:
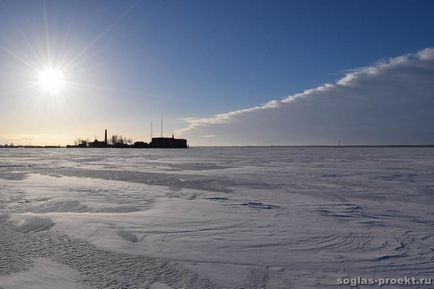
(51, 80)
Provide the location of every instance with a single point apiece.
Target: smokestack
(105, 138)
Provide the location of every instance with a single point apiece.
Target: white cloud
(390, 101)
(426, 54)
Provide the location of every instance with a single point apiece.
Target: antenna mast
(161, 127)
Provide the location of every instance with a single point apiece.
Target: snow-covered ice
(240, 217)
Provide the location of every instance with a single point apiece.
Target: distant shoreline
(282, 146)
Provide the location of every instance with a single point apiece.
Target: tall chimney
(105, 138)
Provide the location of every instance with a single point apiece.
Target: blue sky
(135, 61)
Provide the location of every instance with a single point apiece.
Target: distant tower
(161, 127)
(105, 138)
(339, 143)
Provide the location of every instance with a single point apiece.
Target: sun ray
(47, 34)
(17, 90)
(105, 87)
(100, 36)
(23, 35)
(17, 57)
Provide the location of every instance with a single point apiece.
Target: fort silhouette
(120, 142)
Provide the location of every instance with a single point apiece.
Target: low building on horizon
(156, 142)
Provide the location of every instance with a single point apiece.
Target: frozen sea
(233, 217)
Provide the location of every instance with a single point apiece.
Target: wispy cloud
(224, 117)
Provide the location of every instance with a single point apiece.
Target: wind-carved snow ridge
(98, 268)
(263, 217)
(35, 224)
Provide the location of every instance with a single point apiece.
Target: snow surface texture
(214, 217)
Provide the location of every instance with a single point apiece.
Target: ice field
(234, 217)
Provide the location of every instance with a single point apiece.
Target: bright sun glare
(51, 80)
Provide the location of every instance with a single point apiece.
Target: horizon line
(204, 146)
